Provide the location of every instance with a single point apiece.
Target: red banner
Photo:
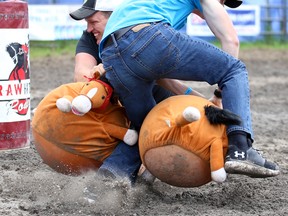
(13, 15)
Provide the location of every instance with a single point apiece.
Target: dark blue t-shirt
(87, 44)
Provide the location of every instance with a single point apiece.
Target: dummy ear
(107, 90)
(92, 92)
(97, 71)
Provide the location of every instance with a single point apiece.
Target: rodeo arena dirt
(30, 187)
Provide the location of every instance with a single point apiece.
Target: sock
(239, 139)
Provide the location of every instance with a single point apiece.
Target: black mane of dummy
(216, 115)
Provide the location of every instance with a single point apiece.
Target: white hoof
(219, 175)
(63, 104)
(131, 137)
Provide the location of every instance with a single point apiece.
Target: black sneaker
(250, 163)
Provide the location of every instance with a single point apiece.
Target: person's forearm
(84, 63)
(178, 87)
(231, 46)
(221, 25)
(80, 73)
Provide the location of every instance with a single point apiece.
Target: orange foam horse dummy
(75, 127)
(183, 141)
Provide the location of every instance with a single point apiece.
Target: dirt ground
(29, 187)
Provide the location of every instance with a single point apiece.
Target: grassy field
(39, 49)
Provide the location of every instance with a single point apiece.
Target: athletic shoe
(250, 163)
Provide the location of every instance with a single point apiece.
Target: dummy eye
(103, 97)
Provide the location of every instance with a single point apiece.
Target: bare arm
(221, 25)
(177, 87)
(83, 65)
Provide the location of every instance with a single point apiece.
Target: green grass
(268, 45)
(39, 49)
(275, 44)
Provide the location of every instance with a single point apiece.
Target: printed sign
(14, 76)
(56, 24)
(52, 22)
(246, 20)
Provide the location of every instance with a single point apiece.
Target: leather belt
(119, 33)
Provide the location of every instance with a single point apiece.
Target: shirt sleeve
(87, 44)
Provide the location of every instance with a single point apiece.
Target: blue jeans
(137, 59)
(125, 160)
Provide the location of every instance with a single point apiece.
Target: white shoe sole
(252, 170)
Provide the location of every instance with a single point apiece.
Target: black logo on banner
(19, 54)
